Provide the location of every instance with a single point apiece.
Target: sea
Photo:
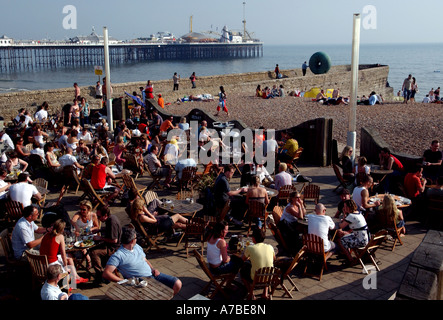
(423, 61)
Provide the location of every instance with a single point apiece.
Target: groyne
(371, 78)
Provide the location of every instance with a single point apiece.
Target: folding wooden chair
(149, 196)
(184, 194)
(283, 194)
(287, 273)
(12, 264)
(188, 178)
(91, 194)
(132, 164)
(342, 182)
(256, 210)
(130, 184)
(311, 193)
(155, 180)
(14, 210)
(316, 250)
(39, 267)
(195, 229)
(221, 214)
(151, 238)
(71, 177)
(265, 278)
(218, 281)
(63, 190)
(388, 224)
(292, 165)
(370, 249)
(44, 184)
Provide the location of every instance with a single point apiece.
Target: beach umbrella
(136, 99)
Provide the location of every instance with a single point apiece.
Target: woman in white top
(39, 135)
(360, 168)
(360, 194)
(72, 140)
(217, 252)
(294, 210)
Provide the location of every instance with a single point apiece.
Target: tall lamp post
(108, 80)
(352, 134)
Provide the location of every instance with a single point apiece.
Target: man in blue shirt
(130, 260)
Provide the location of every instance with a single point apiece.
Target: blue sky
(274, 22)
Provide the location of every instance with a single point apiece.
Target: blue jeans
(407, 94)
(166, 279)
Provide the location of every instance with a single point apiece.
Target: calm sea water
(421, 60)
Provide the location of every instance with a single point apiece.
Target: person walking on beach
(222, 101)
(406, 88)
(77, 90)
(176, 79)
(277, 72)
(304, 68)
(414, 89)
(193, 78)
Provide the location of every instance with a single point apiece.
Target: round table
(400, 201)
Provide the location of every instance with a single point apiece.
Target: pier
(28, 57)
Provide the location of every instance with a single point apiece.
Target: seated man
(282, 178)
(156, 167)
(111, 240)
(51, 291)
(260, 255)
(290, 147)
(23, 237)
(23, 192)
(183, 163)
(130, 260)
(320, 224)
(69, 159)
(166, 126)
(432, 159)
(102, 176)
(415, 183)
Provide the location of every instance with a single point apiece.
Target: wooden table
(155, 290)
(382, 173)
(401, 202)
(182, 207)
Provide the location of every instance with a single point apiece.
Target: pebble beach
(407, 128)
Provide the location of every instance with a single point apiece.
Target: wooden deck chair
(63, 190)
(311, 193)
(292, 165)
(206, 171)
(316, 250)
(370, 249)
(132, 164)
(39, 267)
(256, 210)
(12, 264)
(388, 224)
(221, 214)
(195, 229)
(71, 177)
(265, 278)
(44, 184)
(155, 180)
(149, 196)
(188, 179)
(287, 273)
(184, 194)
(14, 210)
(130, 184)
(218, 281)
(283, 194)
(91, 194)
(342, 182)
(150, 236)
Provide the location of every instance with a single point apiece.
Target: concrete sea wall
(371, 78)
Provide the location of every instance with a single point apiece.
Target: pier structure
(39, 56)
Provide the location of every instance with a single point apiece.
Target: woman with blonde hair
(346, 163)
(389, 213)
(360, 168)
(53, 247)
(119, 148)
(162, 223)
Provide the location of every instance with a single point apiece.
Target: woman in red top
(53, 246)
(149, 90)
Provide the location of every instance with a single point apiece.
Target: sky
(276, 22)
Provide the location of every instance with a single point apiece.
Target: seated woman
(72, 141)
(39, 135)
(361, 195)
(53, 247)
(217, 253)
(14, 162)
(85, 221)
(83, 148)
(360, 168)
(258, 92)
(76, 125)
(288, 224)
(162, 223)
(98, 149)
(257, 193)
(346, 163)
(389, 214)
(51, 158)
(358, 234)
(119, 148)
(20, 149)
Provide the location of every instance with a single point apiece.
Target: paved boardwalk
(339, 282)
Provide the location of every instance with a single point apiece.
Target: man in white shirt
(183, 163)
(4, 186)
(41, 115)
(426, 99)
(320, 224)
(6, 139)
(282, 178)
(51, 291)
(69, 160)
(23, 235)
(23, 192)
